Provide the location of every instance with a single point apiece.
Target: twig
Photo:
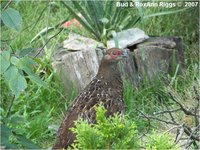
(9, 109)
(188, 131)
(187, 112)
(48, 42)
(7, 4)
(170, 113)
(179, 134)
(188, 141)
(197, 94)
(171, 129)
(197, 107)
(188, 144)
(150, 117)
(148, 129)
(166, 111)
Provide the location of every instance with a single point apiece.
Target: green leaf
(10, 73)
(25, 51)
(14, 60)
(37, 80)
(5, 134)
(17, 120)
(5, 130)
(5, 61)
(5, 142)
(11, 18)
(26, 63)
(16, 81)
(26, 143)
(18, 84)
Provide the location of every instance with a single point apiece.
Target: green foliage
(11, 18)
(5, 61)
(9, 135)
(25, 52)
(114, 132)
(35, 113)
(160, 141)
(15, 80)
(13, 72)
(101, 18)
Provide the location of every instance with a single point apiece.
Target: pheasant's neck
(109, 73)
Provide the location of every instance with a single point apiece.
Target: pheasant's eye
(116, 53)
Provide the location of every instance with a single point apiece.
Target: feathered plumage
(106, 87)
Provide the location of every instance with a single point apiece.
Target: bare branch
(154, 118)
(187, 112)
(179, 134)
(170, 113)
(9, 2)
(48, 42)
(188, 144)
(166, 111)
(197, 94)
(172, 129)
(189, 141)
(148, 129)
(197, 106)
(188, 131)
(9, 109)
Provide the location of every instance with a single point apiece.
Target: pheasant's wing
(97, 91)
(79, 107)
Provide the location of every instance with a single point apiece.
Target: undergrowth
(116, 132)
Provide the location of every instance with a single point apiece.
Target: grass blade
(164, 13)
(83, 12)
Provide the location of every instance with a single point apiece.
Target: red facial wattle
(114, 55)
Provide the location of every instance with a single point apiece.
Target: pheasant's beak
(124, 54)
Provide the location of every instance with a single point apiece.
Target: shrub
(114, 132)
(160, 141)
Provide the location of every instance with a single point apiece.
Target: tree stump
(77, 60)
(158, 55)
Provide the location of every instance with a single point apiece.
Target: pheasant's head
(108, 69)
(115, 54)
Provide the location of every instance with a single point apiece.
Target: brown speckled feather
(106, 87)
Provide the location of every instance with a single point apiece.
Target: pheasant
(105, 88)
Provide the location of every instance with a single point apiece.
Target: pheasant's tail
(65, 137)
